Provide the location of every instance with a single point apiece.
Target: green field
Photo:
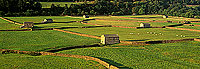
(129, 23)
(196, 23)
(158, 18)
(41, 40)
(182, 55)
(61, 21)
(39, 19)
(189, 27)
(134, 21)
(20, 61)
(146, 34)
(62, 4)
(4, 25)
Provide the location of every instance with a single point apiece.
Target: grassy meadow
(158, 18)
(21, 61)
(181, 55)
(129, 23)
(62, 4)
(4, 25)
(39, 19)
(62, 21)
(41, 40)
(146, 34)
(189, 27)
(134, 21)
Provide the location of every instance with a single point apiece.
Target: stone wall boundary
(11, 21)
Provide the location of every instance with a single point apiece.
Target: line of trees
(32, 8)
(189, 2)
(159, 7)
(11, 7)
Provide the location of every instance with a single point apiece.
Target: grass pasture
(159, 18)
(4, 25)
(134, 21)
(146, 34)
(13, 61)
(61, 21)
(129, 23)
(181, 55)
(189, 27)
(41, 40)
(39, 19)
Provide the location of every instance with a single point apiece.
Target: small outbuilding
(110, 39)
(165, 16)
(145, 25)
(27, 25)
(86, 16)
(47, 21)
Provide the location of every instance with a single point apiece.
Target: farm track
(66, 55)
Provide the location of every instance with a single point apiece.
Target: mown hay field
(171, 55)
(41, 40)
(144, 34)
(13, 61)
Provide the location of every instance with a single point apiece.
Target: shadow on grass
(120, 66)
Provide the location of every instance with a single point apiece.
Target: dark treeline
(34, 8)
(17, 7)
(189, 2)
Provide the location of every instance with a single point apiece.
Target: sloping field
(189, 27)
(41, 40)
(158, 18)
(4, 25)
(39, 19)
(13, 61)
(129, 23)
(146, 34)
(60, 21)
(172, 55)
